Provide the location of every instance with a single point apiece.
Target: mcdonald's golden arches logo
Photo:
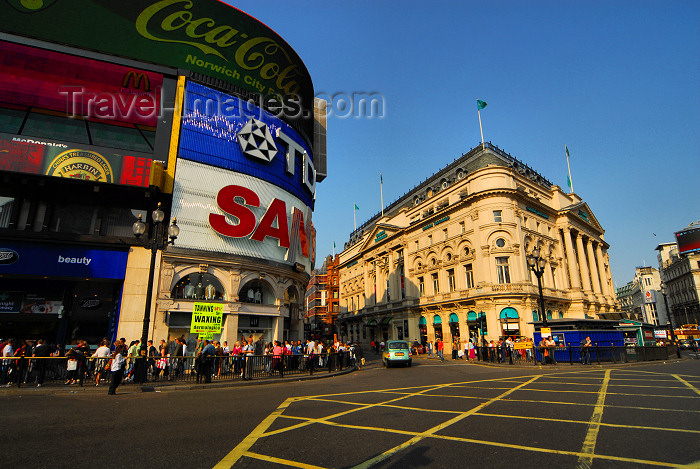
(133, 79)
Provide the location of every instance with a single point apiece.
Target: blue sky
(616, 81)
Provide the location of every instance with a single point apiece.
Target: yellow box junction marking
(586, 455)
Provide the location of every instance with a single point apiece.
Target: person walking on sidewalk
(440, 349)
(118, 362)
(102, 358)
(43, 352)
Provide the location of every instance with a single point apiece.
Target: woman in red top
(278, 358)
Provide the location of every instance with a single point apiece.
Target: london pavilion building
(448, 258)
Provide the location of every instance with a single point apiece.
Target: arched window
(257, 291)
(291, 303)
(198, 287)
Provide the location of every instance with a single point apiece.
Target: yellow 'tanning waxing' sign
(207, 317)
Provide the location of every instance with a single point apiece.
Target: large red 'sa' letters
(276, 211)
(246, 218)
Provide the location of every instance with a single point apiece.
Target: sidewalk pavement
(161, 386)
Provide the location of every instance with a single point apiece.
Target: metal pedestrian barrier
(92, 371)
(574, 354)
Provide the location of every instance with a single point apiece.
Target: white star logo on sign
(256, 140)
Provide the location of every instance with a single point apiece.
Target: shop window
(11, 120)
(74, 218)
(6, 211)
(58, 127)
(121, 136)
(257, 291)
(198, 287)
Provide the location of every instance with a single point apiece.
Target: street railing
(31, 371)
(575, 354)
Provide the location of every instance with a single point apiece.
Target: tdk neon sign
(256, 141)
(226, 132)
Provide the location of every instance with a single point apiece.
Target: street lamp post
(536, 264)
(157, 242)
(670, 321)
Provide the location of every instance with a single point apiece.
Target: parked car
(396, 352)
(685, 344)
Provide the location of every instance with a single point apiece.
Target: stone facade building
(448, 259)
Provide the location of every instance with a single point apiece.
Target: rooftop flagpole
(568, 166)
(479, 106)
(381, 190)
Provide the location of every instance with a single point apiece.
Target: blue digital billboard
(61, 261)
(224, 131)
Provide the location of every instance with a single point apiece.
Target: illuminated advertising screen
(208, 37)
(688, 240)
(78, 86)
(60, 159)
(222, 211)
(227, 132)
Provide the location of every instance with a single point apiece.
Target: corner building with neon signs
(193, 107)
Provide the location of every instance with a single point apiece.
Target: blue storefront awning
(509, 313)
(454, 317)
(437, 319)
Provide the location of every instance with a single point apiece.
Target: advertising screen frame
(206, 37)
(200, 206)
(688, 240)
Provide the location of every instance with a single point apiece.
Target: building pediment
(582, 213)
(380, 234)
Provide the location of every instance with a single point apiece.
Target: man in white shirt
(7, 365)
(248, 352)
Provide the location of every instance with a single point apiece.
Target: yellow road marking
(697, 391)
(612, 425)
(231, 458)
(284, 462)
(586, 455)
(589, 442)
(431, 431)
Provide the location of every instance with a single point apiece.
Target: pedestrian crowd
(133, 362)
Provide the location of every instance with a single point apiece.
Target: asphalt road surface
(451, 415)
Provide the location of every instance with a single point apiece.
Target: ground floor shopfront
(453, 326)
(258, 299)
(59, 293)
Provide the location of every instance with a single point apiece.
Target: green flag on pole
(567, 151)
(568, 181)
(356, 207)
(480, 104)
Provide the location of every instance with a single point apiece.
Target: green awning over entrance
(422, 321)
(509, 313)
(372, 322)
(437, 319)
(454, 317)
(471, 316)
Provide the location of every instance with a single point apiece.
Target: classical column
(594, 269)
(571, 260)
(582, 264)
(601, 270)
